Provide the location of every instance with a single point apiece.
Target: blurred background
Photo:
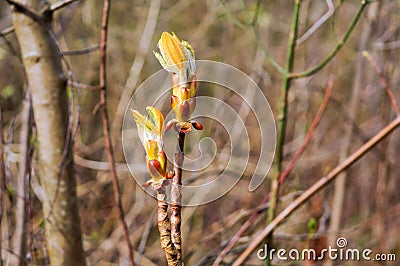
(219, 30)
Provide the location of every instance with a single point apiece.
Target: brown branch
(10, 46)
(164, 228)
(322, 182)
(61, 4)
(106, 126)
(384, 81)
(81, 51)
(7, 31)
(176, 196)
(282, 178)
(19, 7)
(78, 85)
(310, 132)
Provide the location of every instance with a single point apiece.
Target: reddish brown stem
(310, 132)
(176, 197)
(384, 81)
(106, 126)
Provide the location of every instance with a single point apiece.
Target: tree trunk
(47, 85)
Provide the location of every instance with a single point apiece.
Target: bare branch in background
(7, 31)
(82, 51)
(282, 178)
(387, 45)
(137, 65)
(319, 23)
(358, 85)
(106, 126)
(76, 84)
(60, 4)
(384, 81)
(321, 183)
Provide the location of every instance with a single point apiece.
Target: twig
(322, 182)
(7, 31)
(137, 65)
(27, 11)
(143, 240)
(176, 196)
(340, 182)
(260, 44)
(106, 128)
(319, 23)
(384, 81)
(339, 45)
(78, 85)
(81, 51)
(61, 4)
(235, 217)
(104, 166)
(10, 46)
(310, 132)
(282, 178)
(387, 45)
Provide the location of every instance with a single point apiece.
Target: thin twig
(319, 23)
(384, 81)
(137, 65)
(322, 182)
(261, 44)
(81, 51)
(11, 47)
(310, 132)
(61, 4)
(78, 85)
(145, 237)
(387, 45)
(235, 217)
(282, 178)
(106, 127)
(339, 45)
(338, 204)
(27, 11)
(7, 31)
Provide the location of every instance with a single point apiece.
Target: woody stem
(163, 225)
(176, 196)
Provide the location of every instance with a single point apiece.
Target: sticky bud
(197, 125)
